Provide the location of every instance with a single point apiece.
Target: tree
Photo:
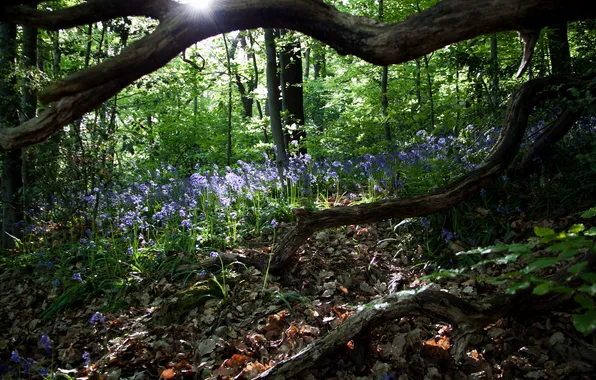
(273, 100)
(12, 183)
(448, 22)
(293, 97)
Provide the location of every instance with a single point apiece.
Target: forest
(298, 189)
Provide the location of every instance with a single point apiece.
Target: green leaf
(590, 232)
(589, 289)
(589, 213)
(543, 232)
(540, 263)
(577, 268)
(517, 286)
(576, 228)
(589, 277)
(584, 300)
(543, 288)
(585, 323)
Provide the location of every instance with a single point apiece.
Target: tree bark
(273, 100)
(447, 22)
(293, 94)
(12, 182)
(384, 79)
(558, 46)
(28, 97)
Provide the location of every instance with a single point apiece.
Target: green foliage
(548, 251)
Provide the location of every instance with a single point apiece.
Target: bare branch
(86, 13)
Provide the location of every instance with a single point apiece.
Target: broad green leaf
(589, 277)
(540, 263)
(590, 232)
(543, 231)
(543, 288)
(517, 286)
(584, 300)
(511, 258)
(577, 268)
(589, 213)
(585, 323)
(588, 289)
(576, 228)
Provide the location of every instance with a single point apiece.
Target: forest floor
(173, 329)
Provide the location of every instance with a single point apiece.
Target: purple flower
(86, 358)
(274, 223)
(129, 251)
(214, 254)
(447, 235)
(77, 277)
(47, 344)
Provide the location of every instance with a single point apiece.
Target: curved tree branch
(83, 14)
(501, 157)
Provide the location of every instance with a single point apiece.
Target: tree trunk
(494, 58)
(384, 78)
(417, 85)
(293, 94)
(430, 92)
(273, 100)
(558, 46)
(12, 182)
(230, 109)
(28, 97)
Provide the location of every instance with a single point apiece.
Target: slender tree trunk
(558, 46)
(384, 79)
(494, 58)
(430, 92)
(307, 63)
(230, 106)
(319, 71)
(12, 182)
(28, 97)
(57, 53)
(293, 97)
(417, 84)
(273, 100)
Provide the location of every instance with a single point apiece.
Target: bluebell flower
(274, 223)
(86, 358)
(77, 277)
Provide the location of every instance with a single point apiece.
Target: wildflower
(47, 344)
(482, 193)
(447, 235)
(56, 283)
(86, 358)
(425, 223)
(77, 277)
(274, 223)
(129, 251)
(214, 254)
(15, 357)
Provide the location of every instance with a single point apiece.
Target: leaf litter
(166, 333)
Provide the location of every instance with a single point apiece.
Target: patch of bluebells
(162, 198)
(27, 366)
(98, 319)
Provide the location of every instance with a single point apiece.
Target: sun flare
(200, 4)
